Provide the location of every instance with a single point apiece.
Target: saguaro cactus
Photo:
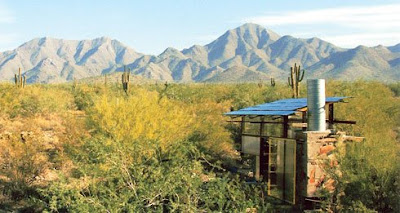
(166, 85)
(164, 91)
(20, 81)
(296, 76)
(125, 79)
(272, 82)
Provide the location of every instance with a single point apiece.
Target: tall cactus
(164, 91)
(20, 81)
(296, 76)
(272, 82)
(166, 85)
(125, 80)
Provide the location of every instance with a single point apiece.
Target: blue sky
(151, 26)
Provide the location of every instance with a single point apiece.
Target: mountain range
(247, 53)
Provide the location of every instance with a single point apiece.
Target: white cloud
(371, 17)
(371, 25)
(368, 39)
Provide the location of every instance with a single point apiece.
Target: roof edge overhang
(283, 107)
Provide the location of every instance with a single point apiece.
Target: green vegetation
(95, 148)
(395, 87)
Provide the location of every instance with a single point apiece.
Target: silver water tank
(316, 105)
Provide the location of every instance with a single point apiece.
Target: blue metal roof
(281, 107)
(335, 99)
(243, 112)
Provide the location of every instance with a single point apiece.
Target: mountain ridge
(247, 52)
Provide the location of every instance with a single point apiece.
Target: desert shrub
(395, 87)
(32, 155)
(144, 156)
(33, 100)
(238, 95)
(21, 163)
(140, 117)
(30, 151)
(82, 97)
(370, 172)
(169, 181)
(209, 129)
(205, 109)
(244, 95)
(155, 150)
(7, 98)
(376, 186)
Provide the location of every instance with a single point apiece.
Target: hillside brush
(20, 81)
(296, 76)
(125, 80)
(260, 84)
(74, 84)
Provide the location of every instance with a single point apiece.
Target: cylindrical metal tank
(316, 105)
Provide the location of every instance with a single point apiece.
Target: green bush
(33, 100)
(395, 87)
(82, 97)
(371, 174)
(170, 181)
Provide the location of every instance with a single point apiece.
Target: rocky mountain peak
(246, 53)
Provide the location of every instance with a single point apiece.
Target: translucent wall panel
(290, 170)
(252, 128)
(282, 169)
(251, 145)
(272, 130)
